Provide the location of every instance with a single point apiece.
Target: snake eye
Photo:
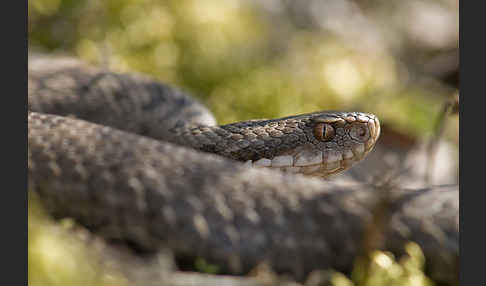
(359, 132)
(324, 132)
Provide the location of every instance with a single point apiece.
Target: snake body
(103, 169)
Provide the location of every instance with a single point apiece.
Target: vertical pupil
(328, 132)
(324, 132)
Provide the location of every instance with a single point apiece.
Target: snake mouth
(324, 161)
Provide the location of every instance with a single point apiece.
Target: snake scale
(117, 153)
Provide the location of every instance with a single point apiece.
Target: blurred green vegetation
(382, 269)
(56, 257)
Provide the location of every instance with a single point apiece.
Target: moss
(56, 257)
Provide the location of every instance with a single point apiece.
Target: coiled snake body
(108, 174)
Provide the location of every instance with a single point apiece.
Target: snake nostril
(359, 132)
(362, 132)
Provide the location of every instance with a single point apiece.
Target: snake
(136, 160)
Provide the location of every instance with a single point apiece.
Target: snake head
(319, 143)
